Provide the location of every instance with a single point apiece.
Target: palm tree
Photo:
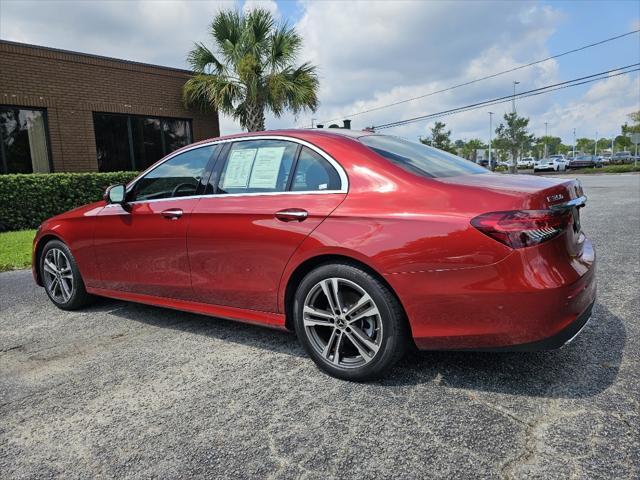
(252, 70)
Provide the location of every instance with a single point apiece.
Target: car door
(141, 246)
(270, 194)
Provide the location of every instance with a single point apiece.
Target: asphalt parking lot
(125, 390)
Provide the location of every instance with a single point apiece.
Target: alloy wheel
(342, 322)
(58, 275)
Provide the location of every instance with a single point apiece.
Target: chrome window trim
(344, 180)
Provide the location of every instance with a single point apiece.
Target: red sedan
(360, 243)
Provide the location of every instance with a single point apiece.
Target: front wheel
(349, 322)
(61, 277)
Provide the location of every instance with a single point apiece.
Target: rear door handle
(172, 213)
(292, 215)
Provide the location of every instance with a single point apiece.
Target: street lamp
(490, 132)
(546, 125)
(595, 146)
(574, 143)
(513, 105)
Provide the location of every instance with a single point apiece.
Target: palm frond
(293, 89)
(202, 60)
(227, 30)
(284, 46)
(212, 92)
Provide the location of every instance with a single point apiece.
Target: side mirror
(115, 194)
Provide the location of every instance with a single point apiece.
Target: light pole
(490, 132)
(546, 125)
(513, 104)
(595, 146)
(574, 143)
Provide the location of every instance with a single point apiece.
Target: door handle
(172, 213)
(292, 215)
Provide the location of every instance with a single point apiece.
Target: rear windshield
(420, 159)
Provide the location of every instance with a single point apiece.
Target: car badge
(556, 197)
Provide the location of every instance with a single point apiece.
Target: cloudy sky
(374, 53)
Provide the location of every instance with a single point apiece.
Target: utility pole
(490, 132)
(546, 125)
(595, 146)
(613, 137)
(574, 143)
(513, 105)
(313, 120)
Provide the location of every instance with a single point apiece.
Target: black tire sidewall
(79, 295)
(392, 317)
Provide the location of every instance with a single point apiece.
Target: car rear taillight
(522, 228)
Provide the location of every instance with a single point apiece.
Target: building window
(132, 142)
(23, 140)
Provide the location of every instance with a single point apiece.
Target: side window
(314, 173)
(257, 166)
(177, 177)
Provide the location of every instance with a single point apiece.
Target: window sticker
(322, 186)
(266, 167)
(238, 168)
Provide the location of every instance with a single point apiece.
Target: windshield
(420, 159)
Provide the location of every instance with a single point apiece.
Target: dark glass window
(257, 166)
(177, 177)
(314, 173)
(23, 141)
(420, 159)
(132, 142)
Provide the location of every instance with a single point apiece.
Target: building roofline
(92, 56)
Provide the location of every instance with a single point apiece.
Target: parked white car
(526, 162)
(554, 163)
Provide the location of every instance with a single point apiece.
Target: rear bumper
(564, 336)
(525, 302)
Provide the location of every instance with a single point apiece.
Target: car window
(177, 177)
(257, 166)
(314, 173)
(420, 159)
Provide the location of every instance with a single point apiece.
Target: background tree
(251, 71)
(514, 137)
(470, 149)
(553, 145)
(585, 145)
(440, 138)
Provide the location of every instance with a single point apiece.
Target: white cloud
(368, 54)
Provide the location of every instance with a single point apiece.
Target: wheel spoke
(326, 353)
(66, 290)
(336, 354)
(335, 289)
(53, 285)
(366, 306)
(49, 267)
(365, 355)
(318, 313)
(326, 289)
(366, 341)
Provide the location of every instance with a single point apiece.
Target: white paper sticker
(266, 167)
(238, 168)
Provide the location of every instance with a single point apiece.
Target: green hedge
(28, 199)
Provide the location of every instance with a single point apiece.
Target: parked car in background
(364, 245)
(622, 157)
(551, 164)
(585, 161)
(526, 162)
(483, 162)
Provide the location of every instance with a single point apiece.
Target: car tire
(350, 343)
(61, 277)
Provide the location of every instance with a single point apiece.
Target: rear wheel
(349, 322)
(61, 277)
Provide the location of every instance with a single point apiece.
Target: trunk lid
(528, 192)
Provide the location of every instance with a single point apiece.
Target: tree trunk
(255, 118)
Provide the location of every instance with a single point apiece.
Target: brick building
(64, 111)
